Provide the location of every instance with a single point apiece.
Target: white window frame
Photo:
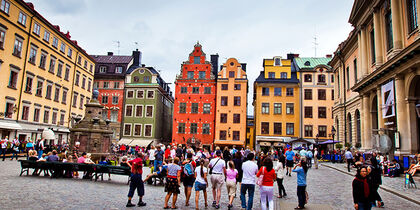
(110, 116)
(139, 91)
(37, 28)
(145, 111)
(151, 130)
(134, 129)
(129, 91)
(148, 94)
(18, 39)
(5, 6)
(32, 54)
(22, 18)
(2, 38)
(125, 110)
(118, 67)
(55, 42)
(70, 52)
(63, 47)
(131, 128)
(102, 69)
(46, 36)
(142, 111)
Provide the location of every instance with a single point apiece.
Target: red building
(195, 100)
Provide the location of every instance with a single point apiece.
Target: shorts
(200, 186)
(217, 180)
(289, 163)
(188, 181)
(231, 188)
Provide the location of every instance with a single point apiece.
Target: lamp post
(333, 134)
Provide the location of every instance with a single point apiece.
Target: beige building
(378, 75)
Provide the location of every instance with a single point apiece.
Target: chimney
(290, 56)
(110, 53)
(243, 65)
(136, 57)
(214, 60)
(328, 56)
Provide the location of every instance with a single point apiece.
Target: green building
(148, 108)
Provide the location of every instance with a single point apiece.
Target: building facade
(231, 104)
(109, 81)
(276, 103)
(378, 66)
(148, 107)
(250, 132)
(195, 100)
(317, 98)
(47, 76)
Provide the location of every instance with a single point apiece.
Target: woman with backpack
(266, 186)
(200, 183)
(188, 177)
(301, 169)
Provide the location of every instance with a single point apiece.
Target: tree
(338, 146)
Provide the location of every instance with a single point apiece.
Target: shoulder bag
(211, 169)
(261, 177)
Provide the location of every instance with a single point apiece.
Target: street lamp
(333, 134)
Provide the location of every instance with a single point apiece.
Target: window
(79, 60)
(223, 118)
(139, 110)
(184, 90)
(194, 108)
(114, 99)
(290, 108)
(148, 130)
(224, 86)
(290, 128)
(46, 116)
(150, 94)
(265, 128)
(372, 46)
(308, 130)
(237, 87)
(308, 94)
(36, 114)
(28, 87)
(206, 128)
(39, 85)
(322, 112)
(47, 36)
(22, 18)
(85, 64)
(5, 6)
(118, 69)
(127, 129)
(9, 110)
(60, 68)
(43, 60)
(76, 81)
(89, 84)
(116, 85)
(83, 82)
(190, 75)
(332, 94)
(322, 94)
(104, 114)
(63, 47)
(332, 78)
(104, 100)
(265, 91)
(64, 97)
(277, 91)
(236, 118)
(114, 116)
(235, 135)
(55, 42)
(231, 74)
(37, 29)
(67, 73)
(321, 78)
(146, 79)
(348, 77)
(308, 78)
(277, 62)
(206, 108)
(277, 108)
(355, 69)
(193, 129)
(102, 69)
(129, 110)
(181, 127)
(277, 128)
(196, 59)
(388, 31)
(224, 101)
(91, 67)
(222, 135)
(2, 37)
(52, 65)
(236, 100)
(201, 74)
(17, 49)
(271, 75)
(149, 111)
(283, 75)
(69, 52)
(82, 98)
(74, 99)
(13, 78)
(308, 112)
(412, 15)
(137, 130)
(48, 92)
(57, 94)
(130, 94)
(196, 90)
(322, 131)
(140, 93)
(25, 112)
(289, 91)
(265, 108)
(96, 85)
(207, 90)
(182, 107)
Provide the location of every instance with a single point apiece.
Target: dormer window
(196, 60)
(307, 63)
(102, 69)
(277, 61)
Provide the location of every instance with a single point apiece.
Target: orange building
(231, 104)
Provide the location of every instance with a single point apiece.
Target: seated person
(68, 173)
(104, 162)
(124, 161)
(414, 168)
(33, 155)
(394, 168)
(53, 157)
(161, 172)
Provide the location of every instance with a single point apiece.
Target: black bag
(211, 169)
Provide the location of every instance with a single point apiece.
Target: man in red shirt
(136, 166)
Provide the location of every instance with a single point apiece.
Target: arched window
(349, 127)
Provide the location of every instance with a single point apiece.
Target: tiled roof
(312, 62)
(112, 58)
(262, 79)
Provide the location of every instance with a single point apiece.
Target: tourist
(218, 172)
(301, 169)
(29, 146)
(317, 156)
(309, 156)
(151, 153)
(173, 181)
(179, 152)
(163, 170)
(267, 189)
(15, 148)
(394, 169)
(280, 175)
(3, 143)
(33, 156)
(237, 160)
(188, 177)
(124, 161)
(349, 158)
(414, 168)
(200, 183)
(41, 148)
(158, 158)
(136, 166)
(53, 157)
(361, 190)
(250, 170)
(384, 165)
(226, 156)
(290, 157)
(231, 175)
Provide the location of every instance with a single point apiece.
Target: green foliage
(358, 145)
(338, 146)
(347, 145)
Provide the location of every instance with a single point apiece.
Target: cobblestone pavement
(327, 188)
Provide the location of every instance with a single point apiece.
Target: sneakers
(230, 206)
(217, 206)
(213, 204)
(141, 203)
(129, 204)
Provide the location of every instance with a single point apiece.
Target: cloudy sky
(166, 30)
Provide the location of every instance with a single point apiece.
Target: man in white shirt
(316, 158)
(217, 166)
(3, 144)
(152, 155)
(250, 170)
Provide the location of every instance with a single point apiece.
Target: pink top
(231, 174)
(81, 159)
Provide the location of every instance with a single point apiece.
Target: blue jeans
(250, 188)
(40, 152)
(156, 165)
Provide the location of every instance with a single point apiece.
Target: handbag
(261, 177)
(211, 169)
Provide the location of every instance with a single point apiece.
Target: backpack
(310, 155)
(188, 170)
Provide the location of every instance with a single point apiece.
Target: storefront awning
(10, 125)
(140, 143)
(265, 144)
(124, 141)
(273, 138)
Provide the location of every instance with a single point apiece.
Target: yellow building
(250, 132)
(47, 77)
(276, 103)
(231, 104)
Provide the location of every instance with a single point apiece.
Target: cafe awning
(10, 125)
(140, 142)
